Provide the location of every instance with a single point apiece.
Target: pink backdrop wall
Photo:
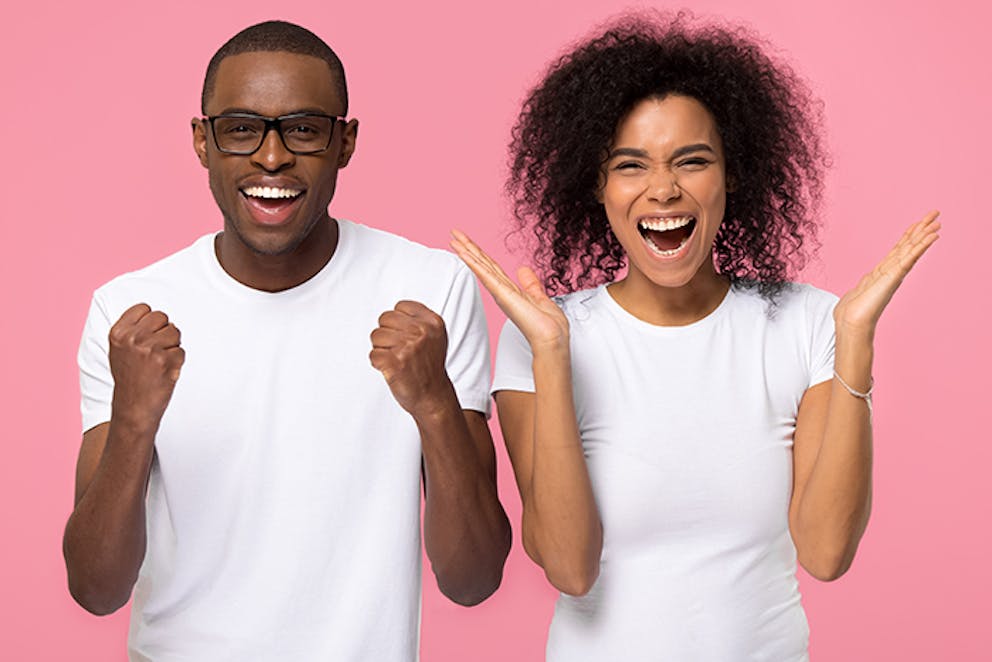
(99, 178)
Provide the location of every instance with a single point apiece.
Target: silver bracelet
(866, 396)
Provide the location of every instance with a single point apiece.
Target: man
(256, 478)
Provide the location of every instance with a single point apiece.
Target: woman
(682, 434)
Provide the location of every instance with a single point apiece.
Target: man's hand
(409, 348)
(145, 360)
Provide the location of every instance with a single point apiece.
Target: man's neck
(274, 273)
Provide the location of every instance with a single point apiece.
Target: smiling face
(273, 199)
(664, 191)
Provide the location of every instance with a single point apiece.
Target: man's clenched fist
(409, 348)
(145, 360)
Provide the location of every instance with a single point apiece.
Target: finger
(396, 319)
(477, 255)
(531, 284)
(168, 336)
(134, 313)
(385, 338)
(176, 357)
(381, 360)
(913, 256)
(154, 321)
(415, 309)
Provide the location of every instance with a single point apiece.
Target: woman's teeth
(663, 224)
(669, 252)
(270, 192)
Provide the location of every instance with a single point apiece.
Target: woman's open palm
(527, 305)
(860, 309)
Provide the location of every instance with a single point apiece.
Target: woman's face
(664, 189)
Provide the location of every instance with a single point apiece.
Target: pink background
(99, 178)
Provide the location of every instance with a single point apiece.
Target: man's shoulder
(168, 272)
(387, 250)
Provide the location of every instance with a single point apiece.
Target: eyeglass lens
(244, 135)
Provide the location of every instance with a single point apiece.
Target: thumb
(531, 284)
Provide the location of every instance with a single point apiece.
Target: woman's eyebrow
(696, 147)
(628, 151)
(643, 154)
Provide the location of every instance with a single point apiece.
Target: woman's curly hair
(768, 120)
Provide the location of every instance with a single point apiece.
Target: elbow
(469, 594)
(828, 566)
(94, 600)
(574, 573)
(96, 592)
(576, 582)
(473, 584)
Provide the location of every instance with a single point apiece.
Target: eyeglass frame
(272, 123)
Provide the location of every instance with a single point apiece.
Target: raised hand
(145, 360)
(527, 305)
(858, 311)
(409, 348)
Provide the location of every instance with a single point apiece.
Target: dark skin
(466, 532)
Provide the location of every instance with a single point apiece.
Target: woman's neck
(671, 306)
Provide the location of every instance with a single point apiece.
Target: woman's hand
(858, 311)
(527, 305)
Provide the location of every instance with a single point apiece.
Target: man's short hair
(276, 36)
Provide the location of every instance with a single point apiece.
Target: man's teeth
(271, 192)
(663, 224)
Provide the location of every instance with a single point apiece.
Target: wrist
(557, 351)
(434, 406)
(133, 425)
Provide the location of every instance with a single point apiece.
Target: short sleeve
(514, 361)
(96, 385)
(467, 362)
(820, 314)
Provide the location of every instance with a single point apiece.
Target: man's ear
(200, 139)
(349, 138)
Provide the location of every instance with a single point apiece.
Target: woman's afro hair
(768, 120)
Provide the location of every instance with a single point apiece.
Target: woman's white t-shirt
(687, 433)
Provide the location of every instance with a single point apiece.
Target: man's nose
(272, 154)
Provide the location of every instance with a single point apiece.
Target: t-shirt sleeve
(820, 313)
(514, 361)
(467, 362)
(96, 385)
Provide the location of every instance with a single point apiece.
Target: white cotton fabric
(283, 508)
(687, 433)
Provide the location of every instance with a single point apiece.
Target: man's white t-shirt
(283, 508)
(687, 433)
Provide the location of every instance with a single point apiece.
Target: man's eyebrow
(247, 111)
(681, 151)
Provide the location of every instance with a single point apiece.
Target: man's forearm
(104, 541)
(466, 532)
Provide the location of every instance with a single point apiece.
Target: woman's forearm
(562, 529)
(836, 502)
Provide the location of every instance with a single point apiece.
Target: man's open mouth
(667, 236)
(271, 204)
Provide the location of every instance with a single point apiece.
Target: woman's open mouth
(667, 236)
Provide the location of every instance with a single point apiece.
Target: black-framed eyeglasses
(244, 133)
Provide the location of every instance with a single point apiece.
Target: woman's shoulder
(793, 298)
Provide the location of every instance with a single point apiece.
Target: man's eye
(240, 128)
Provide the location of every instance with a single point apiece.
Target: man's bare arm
(104, 541)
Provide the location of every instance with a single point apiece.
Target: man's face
(272, 199)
